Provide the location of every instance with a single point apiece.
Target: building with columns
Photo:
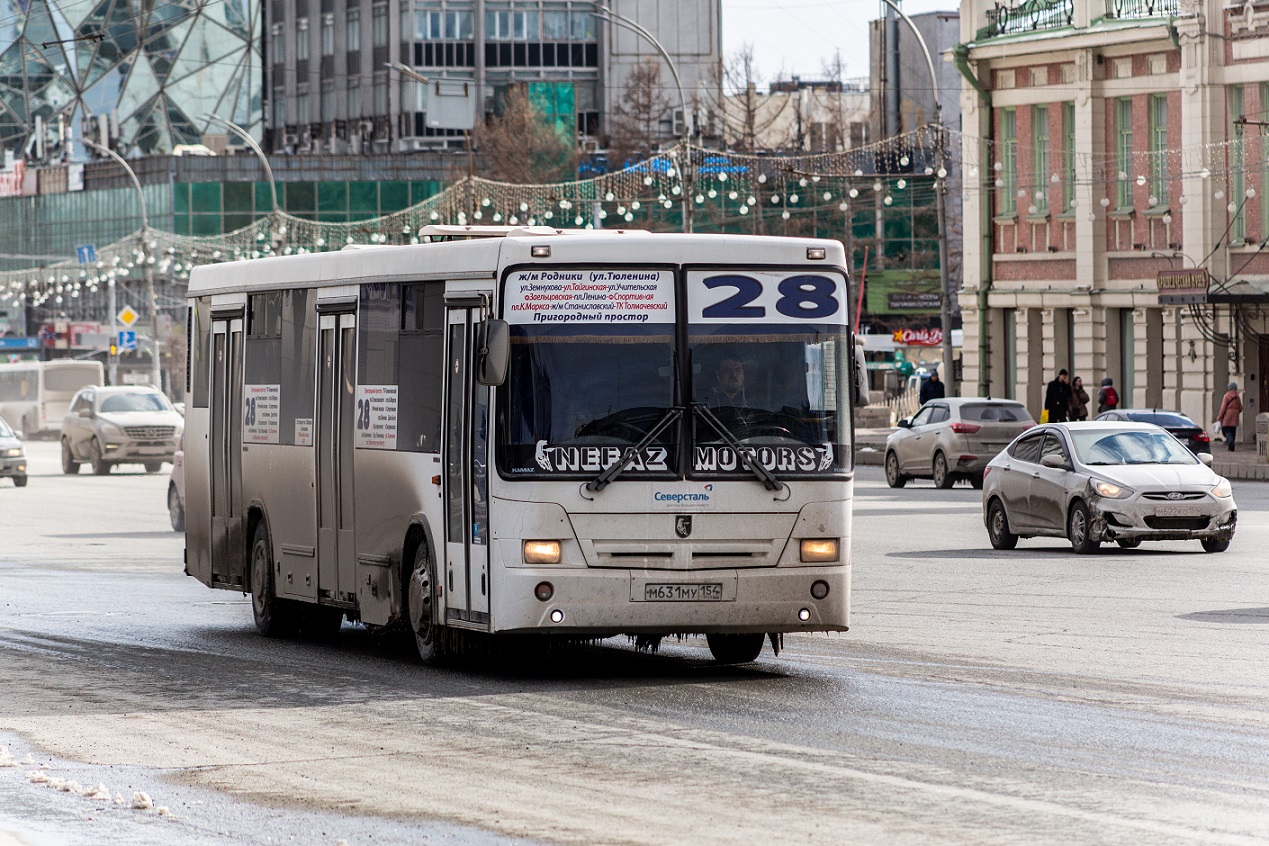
(1109, 145)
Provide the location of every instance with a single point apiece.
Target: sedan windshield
(1103, 447)
(134, 402)
(5, 431)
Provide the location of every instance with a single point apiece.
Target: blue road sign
(86, 253)
(19, 343)
(127, 340)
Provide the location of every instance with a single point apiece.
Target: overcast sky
(798, 36)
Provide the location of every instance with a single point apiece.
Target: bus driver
(729, 387)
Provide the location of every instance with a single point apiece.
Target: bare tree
(750, 119)
(636, 122)
(519, 145)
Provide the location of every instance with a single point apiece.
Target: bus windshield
(769, 360)
(592, 371)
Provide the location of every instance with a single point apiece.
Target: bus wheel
(99, 464)
(153, 466)
(735, 648)
(274, 617)
(429, 638)
(69, 465)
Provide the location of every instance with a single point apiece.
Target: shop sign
(1181, 287)
(919, 337)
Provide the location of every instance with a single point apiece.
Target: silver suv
(123, 425)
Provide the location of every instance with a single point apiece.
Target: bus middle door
(228, 559)
(466, 488)
(337, 374)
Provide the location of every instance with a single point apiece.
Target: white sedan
(1099, 482)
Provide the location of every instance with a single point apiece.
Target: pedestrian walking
(932, 388)
(1079, 399)
(1057, 399)
(1231, 409)
(1107, 396)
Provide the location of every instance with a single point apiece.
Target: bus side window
(421, 367)
(200, 352)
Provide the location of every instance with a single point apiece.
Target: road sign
(127, 340)
(19, 343)
(86, 253)
(128, 316)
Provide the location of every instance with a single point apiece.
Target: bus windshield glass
(592, 371)
(769, 358)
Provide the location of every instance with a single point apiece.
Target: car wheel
(894, 478)
(175, 510)
(153, 466)
(942, 478)
(99, 464)
(274, 617)
(1129, 543)
(976, 481)
(69, 465)
(735, 648)
(1079, 529)
(431, 640)
(19, 481)
(1216, 544)
(998, 527)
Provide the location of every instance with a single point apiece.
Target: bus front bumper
(662, 602)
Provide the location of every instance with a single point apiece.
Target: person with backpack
(1107, 397)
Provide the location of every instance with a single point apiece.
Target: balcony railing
(1130, 9)
(1032, 15)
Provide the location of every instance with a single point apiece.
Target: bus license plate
(708, 592)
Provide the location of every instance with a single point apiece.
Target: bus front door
(336, 556)
(228, 546)
(466, 485)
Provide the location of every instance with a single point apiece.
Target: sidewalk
(1242, 465)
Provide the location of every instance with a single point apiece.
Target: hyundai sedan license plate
(678, 592)
(1177, 511)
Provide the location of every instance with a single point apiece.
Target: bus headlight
(541, 552)
(819, 550)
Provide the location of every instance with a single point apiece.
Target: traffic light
(114, 348)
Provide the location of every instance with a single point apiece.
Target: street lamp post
(278, 226)
(156, 377)
(607, 14)
(940, 196)
(406, 70)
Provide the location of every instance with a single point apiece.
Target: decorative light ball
(405, 230)
(905, 161)
(876, 186)
(751, 200)
(854, 192)
(1105, 201)
(998, 167)
(548, 214)
(621, 209)
(1022, 192)
(1000, 183)
(676, 190)
(525, 206)
(1039, 195)
(434, 216)
(731, 195)
(669, 171)
(660, 198)
(635, 205)
(1232, 207)
(802, 182)
(348, 240)
(1153, 201)
(478, 214)
(1251, 193)
(901, 184)
(858, 172)
(1220, 195)
(942, 174)
(578, 220)
(785, 214)
(609, 197)
(843, 206)
(828, 195)
(700, 198)
(629, 217)
(929, 171)
(669, 204)
(603, 215)
(1032, 210)
(1205, 173)
(1167, 220)
(513, 220)
(1182, 199)
(775, 199)
(888, 200)
(744, 209)
(497, 218)
(1141, 180)
(762, 178)
(793, 198)
(1054, 179)
(1074, 203)
(722, 177)
(485, 202)
(647, 180)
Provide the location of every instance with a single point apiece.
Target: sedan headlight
(13, 452)
(1223, 489)
(1112, 491)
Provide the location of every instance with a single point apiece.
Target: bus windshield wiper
(605, 478)
(742, 453)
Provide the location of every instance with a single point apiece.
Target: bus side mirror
(495, 352)
(861, 376)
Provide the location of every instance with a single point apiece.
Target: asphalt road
(980, 697)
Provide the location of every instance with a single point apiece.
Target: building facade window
(277, 44)
(328, 35)
(1159, 149)
(582, 26)
(1040, 158)
(328, 100)
(301, 40)
(1068, 156)
(381, 94)
(379, 25)
(506, 25)
(431, 25)
(302, 112)
(354, 99)
(1123, 153)
(279, 108)
(352, 30)
(555, 25)
(1009, 161)
(1237, 164)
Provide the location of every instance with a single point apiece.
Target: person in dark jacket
(1057, 399)
(932, 388)
(1079, 400)
(1107, 396)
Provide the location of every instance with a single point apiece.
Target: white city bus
(528, 431)
(35, 395)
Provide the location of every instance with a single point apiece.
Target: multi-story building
(797, 115)
(331, 89)
(1110, 146)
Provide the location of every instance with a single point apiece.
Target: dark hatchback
(1177, 424)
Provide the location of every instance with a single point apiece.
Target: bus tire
(430, 639)
(153, 466)
(69, 465)
(735, 648)
(274, 617)
(100, 465)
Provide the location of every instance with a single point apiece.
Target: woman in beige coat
(1231, 410)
